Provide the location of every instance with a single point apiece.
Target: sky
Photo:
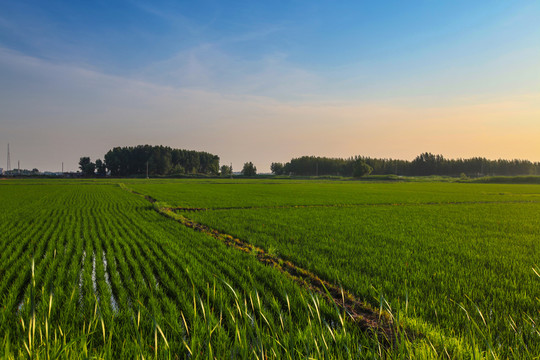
(266, 81)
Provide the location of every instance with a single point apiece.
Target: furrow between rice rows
(193, 209)
(361, 313)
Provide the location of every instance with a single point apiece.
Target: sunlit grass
(89, 270)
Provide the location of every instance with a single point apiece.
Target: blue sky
(266, 81)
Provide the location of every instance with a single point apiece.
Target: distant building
(1, 171)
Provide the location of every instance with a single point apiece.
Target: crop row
(101, 270)
(258, 193)
(440, 264)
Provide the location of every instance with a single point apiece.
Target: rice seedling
(91, 270)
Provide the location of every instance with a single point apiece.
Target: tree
(427, 164)
(177, 170)
(226, 170)
(87, 167)
(161, 160)
(277, 168)
(424, 164)
(361, 168)
(101, 168)
(249, 169)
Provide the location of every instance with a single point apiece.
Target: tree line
(163, 160)
(151, 160)
(423, 165)
(323, 166)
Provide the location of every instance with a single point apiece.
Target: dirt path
(358, 311)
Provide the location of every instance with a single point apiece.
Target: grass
(142, 334)
(525, 179)
(444, 255)
(252, 193)
(91, 270)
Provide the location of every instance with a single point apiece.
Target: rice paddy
(95, 269)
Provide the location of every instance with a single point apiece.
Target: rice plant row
(91, 270)
(267, 193)
(465, 270)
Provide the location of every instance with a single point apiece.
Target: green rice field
(109, 269)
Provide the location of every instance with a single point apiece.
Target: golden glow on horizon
(499, 128)
(251, 128)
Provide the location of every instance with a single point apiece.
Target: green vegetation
(87, 167)
(431, 259)
(159, 160)
(423, 165)
(447, 254)
(248, 193)
(531, 179)
(225, 170)
(249, 169)
(164, 161)
(93, 270)
(89, 269)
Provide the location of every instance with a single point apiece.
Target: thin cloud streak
(208, 67)
(175, 19)
(52, 113)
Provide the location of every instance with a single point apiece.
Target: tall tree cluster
(424, 164)
(87, 167)
(249, 169)
(156, 160)
(323, 166)
(160, 160)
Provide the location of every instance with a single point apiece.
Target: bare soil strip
(194, 209)
(358, 311)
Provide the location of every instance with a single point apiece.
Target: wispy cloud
(174, 18)
(52, 112)
(208, 67)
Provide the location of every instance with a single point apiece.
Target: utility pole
(231, 170)
(317, 169)
(8, 159)
(147, 170)
(19, 166)
(62, 167)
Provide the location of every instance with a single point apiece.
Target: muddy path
(358, 311)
